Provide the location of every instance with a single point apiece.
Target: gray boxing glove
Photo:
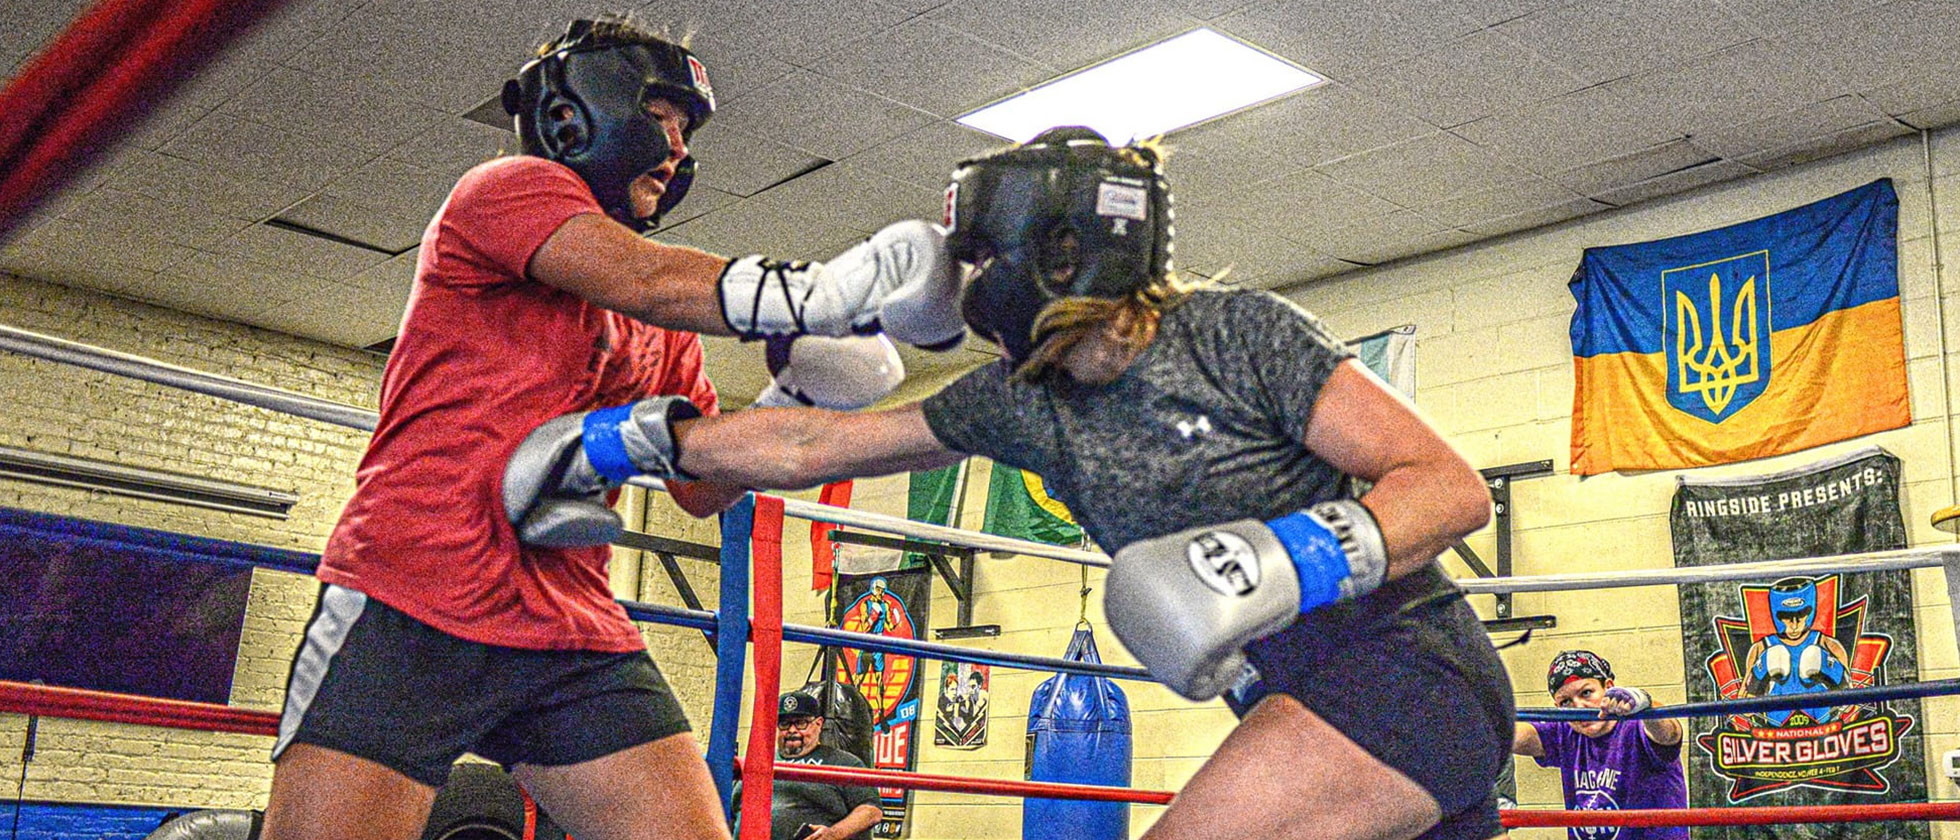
(555, 483)
(841, 374)
(1187, 603)
(902, 281)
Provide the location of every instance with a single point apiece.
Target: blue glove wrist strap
(1317, 556)
(603, 446)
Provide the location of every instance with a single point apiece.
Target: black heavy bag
(846, 717)
(1078, 731)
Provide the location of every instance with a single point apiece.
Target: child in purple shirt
(1606, 766)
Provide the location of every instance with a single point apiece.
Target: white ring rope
(1876, 561)
(129, 365)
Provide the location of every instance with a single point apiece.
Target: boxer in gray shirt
(1212, 440)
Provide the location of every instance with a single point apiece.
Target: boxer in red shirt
(442, 628)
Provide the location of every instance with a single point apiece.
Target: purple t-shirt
(1621, 770)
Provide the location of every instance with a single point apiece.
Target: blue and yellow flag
(1756, 339)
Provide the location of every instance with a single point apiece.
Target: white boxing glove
(1776, 662)
(843, 374)
(1810, 663)
(1186, 603)
(555, 483)
(902, 280)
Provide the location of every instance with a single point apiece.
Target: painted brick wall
(71, 411)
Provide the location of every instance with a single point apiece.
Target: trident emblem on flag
(1720, 360)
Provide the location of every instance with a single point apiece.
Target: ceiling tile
(1879, 45)
(1771, 16)
(735, 70)
(1814, 120)
(140, 248)
(700, 201)
(1341, 39)
(1755, 79)
(1580, 127)
(397, 275)
(843, 198)
(130, 218)
(926, 156)
(1065, 36)
(453, 145)
(1600, 41)
(392, 187)
(183, 107)
(1536, 218)
(1208, 241)
(344, 111)
(1321, 124)
(1419, 171)
(1384, 238)
(1933, 86)
(336, 313)
(1711, 172)
(1470, 77)
(792, 31)
(340, 217)
(1936, 116)
(1302, 205)
(1494, 12)
(299, 253)
(1208, 164)
(1529, 194)
(253, 151)
(1817, 148)
(933, 68)
(740, 163)
(175, 179)
(1599, 176)
(803, 110)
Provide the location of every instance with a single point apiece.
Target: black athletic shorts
(372, 682)
(1409, 675)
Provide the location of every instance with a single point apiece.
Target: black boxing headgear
(583, 104)
(1008, 213)
(1576, 665)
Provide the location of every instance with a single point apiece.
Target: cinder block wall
(68, 410)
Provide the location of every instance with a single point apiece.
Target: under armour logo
(1189, 429)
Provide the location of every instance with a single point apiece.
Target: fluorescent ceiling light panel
(1166, 86)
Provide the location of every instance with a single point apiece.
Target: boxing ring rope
(735, 631)
(52, 701)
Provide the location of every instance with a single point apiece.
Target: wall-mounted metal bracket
(1499, 480)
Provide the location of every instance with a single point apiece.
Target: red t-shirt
(484, 356)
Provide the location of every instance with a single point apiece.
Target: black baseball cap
(798, 704)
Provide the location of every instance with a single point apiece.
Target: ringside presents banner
(1800, 635)
(1756, 339)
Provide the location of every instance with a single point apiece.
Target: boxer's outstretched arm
(795, 448)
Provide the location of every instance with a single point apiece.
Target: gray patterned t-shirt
(1207, 425)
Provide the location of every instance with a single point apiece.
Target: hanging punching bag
(1078, 731)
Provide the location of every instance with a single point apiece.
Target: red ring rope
(1771, 815)
(54, 701)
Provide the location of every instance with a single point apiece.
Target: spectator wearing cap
(1605, 766)
(813, 810)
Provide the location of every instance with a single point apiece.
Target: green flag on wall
(1019, 506)
(930, 499)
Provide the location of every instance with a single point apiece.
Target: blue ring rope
(1720, 708)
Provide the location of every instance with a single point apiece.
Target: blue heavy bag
(1078, 731)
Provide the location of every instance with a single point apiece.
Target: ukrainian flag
(1756, 339)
